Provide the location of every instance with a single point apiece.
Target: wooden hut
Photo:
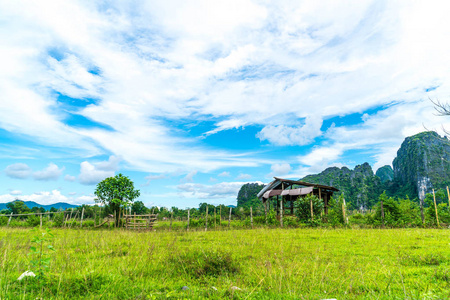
(287, 191)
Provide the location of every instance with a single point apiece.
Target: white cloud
(96, 172)
(282, 66)
(287, 135)
(52, 172)
(70, 178)
(220, 190)
(243, 176)
(190, 176)
(19, 171)
(150, 178)
(224, 174)
(15, 192)
(280, 169)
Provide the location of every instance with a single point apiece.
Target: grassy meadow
(231, 264)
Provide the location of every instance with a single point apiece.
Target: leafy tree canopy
(115, 192)
(18, 207)
(139, 208)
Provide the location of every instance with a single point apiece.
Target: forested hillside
(422, 163)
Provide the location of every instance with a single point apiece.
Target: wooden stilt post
(320, 195)
(229, 218)
(265, 210)
(435, 208)
(292, 207)
(9, 220)
(251, 216)
(82, 215)
(281, 212)
(206, 219)
(188, 220)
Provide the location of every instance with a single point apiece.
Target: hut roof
(277, 184)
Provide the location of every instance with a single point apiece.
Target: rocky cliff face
(386, 173)
(360, 186)
(247, 193)
(422, 163)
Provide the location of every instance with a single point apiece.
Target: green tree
(116, 192)
(391, 210)
(139, 208)
(18, 207)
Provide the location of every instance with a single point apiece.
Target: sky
(192, 99)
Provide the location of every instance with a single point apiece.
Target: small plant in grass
(41, 252)
(206, 263)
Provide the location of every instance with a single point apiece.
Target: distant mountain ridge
(422, 163)
(31, 204)
(360, 186)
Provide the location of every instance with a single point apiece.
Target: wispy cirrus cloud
(18, 170)
(120, 79)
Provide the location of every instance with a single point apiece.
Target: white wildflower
(26, 274)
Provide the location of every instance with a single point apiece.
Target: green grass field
(262, 263)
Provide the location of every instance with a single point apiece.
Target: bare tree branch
(443, 109)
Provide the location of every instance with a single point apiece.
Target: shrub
(272, 217)
(303, 209)
(58, 220)
(3, 221)
(290, 221)
(205, 263)
(335, 216)
(34, 220)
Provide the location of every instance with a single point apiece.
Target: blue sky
(192, 99)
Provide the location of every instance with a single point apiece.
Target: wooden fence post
(435, 208)
(82, 216)
(206, 219)
(448, 195)
(343, 210)
(67, 218)
(9, 220)
(188, 220)
(71, 212)
(229, 218)
(251, 216)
